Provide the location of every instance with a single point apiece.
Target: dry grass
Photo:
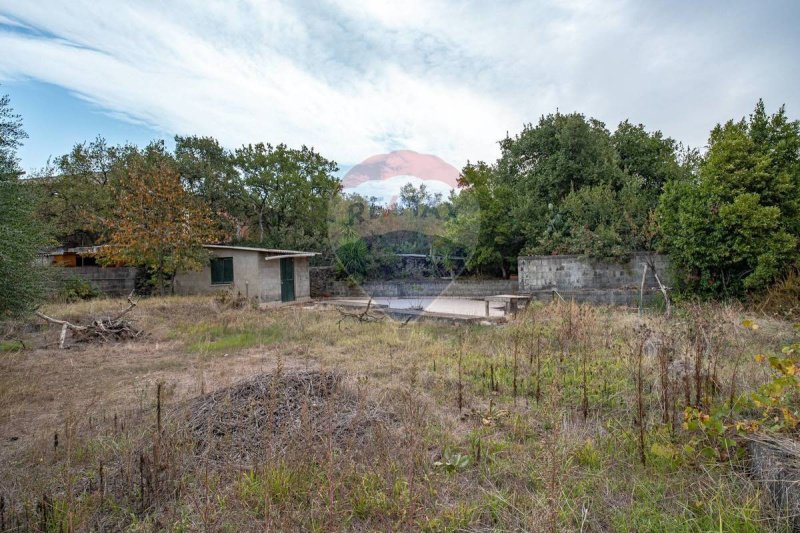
(227, 419)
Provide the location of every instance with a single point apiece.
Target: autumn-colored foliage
(156, 223)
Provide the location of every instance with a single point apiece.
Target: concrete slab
(451, 310)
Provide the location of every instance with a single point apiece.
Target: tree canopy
(156, 223)
(569, 186)
(287, 192)
(729, 218)
(735, 226)
(22, 235)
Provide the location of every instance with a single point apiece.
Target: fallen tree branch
(363, 316)
(668, 311)
(65, 326)
(131, 305)
(103, 329)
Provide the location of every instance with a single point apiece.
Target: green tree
(288, 193)
(11, 137)
(22, 236)
(208, 171)
(735, 226)
(482, 224)
(544, 163)
(566, 185)
(650, 157)
(79, 189)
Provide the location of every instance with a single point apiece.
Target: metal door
(287, 279)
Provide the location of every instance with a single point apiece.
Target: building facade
(265, 274)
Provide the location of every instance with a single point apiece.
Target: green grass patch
(217, 338)
(11, 346)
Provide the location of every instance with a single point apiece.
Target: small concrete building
(265, 274)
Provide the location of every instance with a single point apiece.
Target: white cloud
(358, 78)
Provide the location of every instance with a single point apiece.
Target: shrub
(735, 227)
(75, 289)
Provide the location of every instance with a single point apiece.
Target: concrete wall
(418, 288)
(302, 278)
(575, 272)
(246, 278)
(271, 280)
(114, 281)
(252, 276)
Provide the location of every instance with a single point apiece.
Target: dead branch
(668, 311)
(62, 338)
(363, 316)
(101, 329)
(664, 290)
(131, 305)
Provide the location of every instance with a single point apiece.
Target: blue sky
(354, 79)
(55, 120)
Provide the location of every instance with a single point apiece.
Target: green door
(287, 279)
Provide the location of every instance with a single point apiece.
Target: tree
(79, 189)
(482, 224)
(11, 137)
(288, 192)
(543, 164)
(22, 236)
(156, 223)
(207, 171)
(736, 226)
(650, 157)
(568, 186)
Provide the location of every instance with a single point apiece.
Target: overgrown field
(568, 418)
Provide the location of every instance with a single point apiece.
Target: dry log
(101, 329)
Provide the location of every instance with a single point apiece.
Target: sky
(355, 79)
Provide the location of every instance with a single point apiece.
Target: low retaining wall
(113, 281)
(576, 272)
(457, 288)
(327, 288)
(624, 297)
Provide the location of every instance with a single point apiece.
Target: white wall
(252, 275)
(246, 278)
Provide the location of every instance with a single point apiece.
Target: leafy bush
(778, 399)
(353, 257)
(735, 227)
(75, 289)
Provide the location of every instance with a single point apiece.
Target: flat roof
(262, 250)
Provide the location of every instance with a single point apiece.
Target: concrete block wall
(246, 279)
(113, 281)
(252, 276)
(302, 281)
(575, 272)
(416, 288)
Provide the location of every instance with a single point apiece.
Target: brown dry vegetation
(219, 419)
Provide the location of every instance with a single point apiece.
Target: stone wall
(113, 281)
(591, 280)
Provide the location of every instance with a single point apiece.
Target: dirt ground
(43, 386)
(529, 425)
